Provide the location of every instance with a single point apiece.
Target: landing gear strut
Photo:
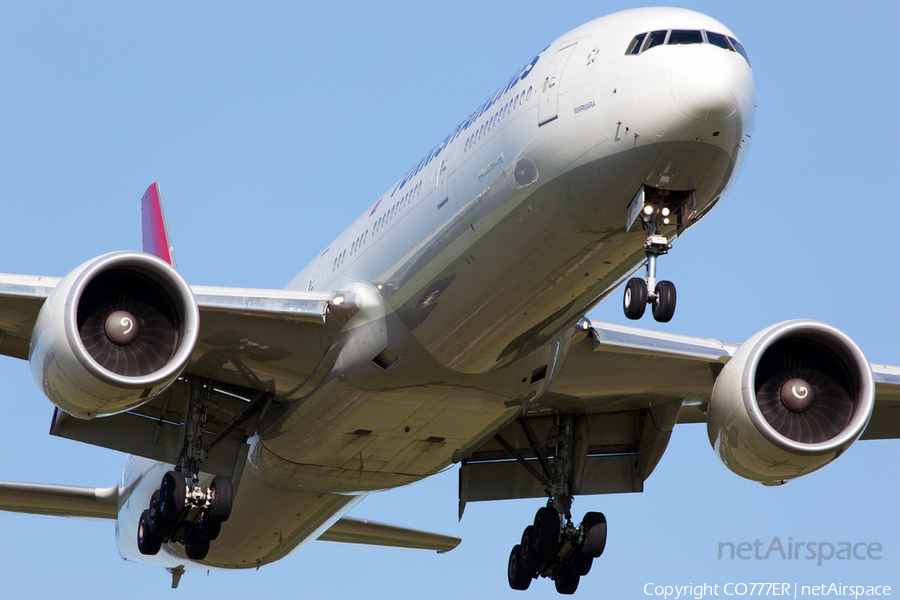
(553, 546)
(181, 510)
(640, 292)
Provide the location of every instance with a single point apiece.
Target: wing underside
(253, 344)
(625, 389)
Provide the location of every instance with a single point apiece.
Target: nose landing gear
(640, 292)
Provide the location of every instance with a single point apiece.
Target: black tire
(664, 307)
(171, 494)
(580, 563)
(222, 492)
(566, 581)
(159, 525)
(531, 558)
(519, 577)
(196, 549)
(546, 530)
(594, 525)
(635, 300)
(148, 543)
(209, 530)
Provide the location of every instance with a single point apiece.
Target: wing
(252, 343)
(626, 388)
(21, 298)
(241, 329)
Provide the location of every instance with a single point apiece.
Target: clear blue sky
(271, 128)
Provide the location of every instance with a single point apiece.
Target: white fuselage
(475, 263)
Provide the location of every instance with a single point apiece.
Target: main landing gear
(553, 546)
(185, 513)
(181, 510)
(641, 292)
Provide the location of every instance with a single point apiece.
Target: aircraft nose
(708, 83)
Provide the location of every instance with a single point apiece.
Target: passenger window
(635, 46)
(740, 49)
(685, 36)
(717, 39)
(655, 39)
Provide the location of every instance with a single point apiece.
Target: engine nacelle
(114, 332)
(792, 399)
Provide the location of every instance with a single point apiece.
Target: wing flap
(360, 531)
(155, 430)
(59, 500)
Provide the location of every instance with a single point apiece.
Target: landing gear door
(634, 208)
(547, 104)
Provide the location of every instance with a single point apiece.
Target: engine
(114, 332)
(792, 399)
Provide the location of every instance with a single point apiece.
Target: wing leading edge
(620, 367)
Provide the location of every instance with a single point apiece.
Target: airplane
(453, 350)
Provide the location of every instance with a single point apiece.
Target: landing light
(648, 210)
(665, 212)
(338, 300)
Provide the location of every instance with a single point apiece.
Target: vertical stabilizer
(155, 228)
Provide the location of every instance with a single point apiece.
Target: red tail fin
(155, 229)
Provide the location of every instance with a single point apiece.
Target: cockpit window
(717, 39)
(635, 46)
(739, 48)
(656, 39)
(684, 36)
(644, 41)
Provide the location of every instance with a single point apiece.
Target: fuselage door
(318, 273)
(445, 171)
(550, 86)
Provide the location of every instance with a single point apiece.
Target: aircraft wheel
(196, 548)
(580, 563)
(148, 543)
(519, 577)
(595, 534)
(664, 307)
(159, 525)
(222, 491)
(546, 529)
(566, 581)
(635, 300)
(171, 494)
(531, 558)
(209, 530)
